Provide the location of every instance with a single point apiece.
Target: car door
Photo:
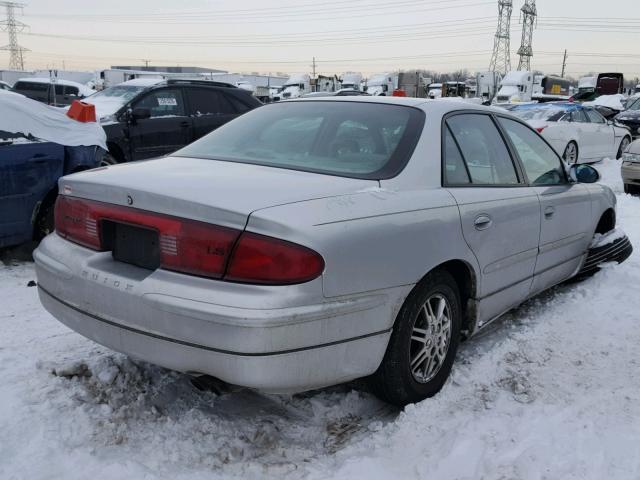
(586, 141)
(27, 173)
(168, 128)
(500, 214)
(209, 109)
(601, 134)
(565, 206)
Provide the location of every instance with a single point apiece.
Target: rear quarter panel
(372, 240)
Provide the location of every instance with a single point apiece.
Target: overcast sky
(360, 35)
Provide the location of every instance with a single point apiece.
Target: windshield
(635, 105)
(548, 114)
(360, 140)
(119, 94)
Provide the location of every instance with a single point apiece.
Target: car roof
(141, 82)
(435, 107)
(568, 106)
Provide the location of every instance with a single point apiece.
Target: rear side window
(238, 105)
(541, 163)
(486, 156)
(455, 171)
(163, 103)
(363, 140)
(207, 101)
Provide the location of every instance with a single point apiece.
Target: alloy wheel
(430, 338)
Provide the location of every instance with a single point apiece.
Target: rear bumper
(276, 339)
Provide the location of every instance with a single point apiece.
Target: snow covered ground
(552, 391)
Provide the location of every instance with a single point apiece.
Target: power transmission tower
(501, 57)
(529, 18)
(12, 27)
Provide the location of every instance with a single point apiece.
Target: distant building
(168, 69)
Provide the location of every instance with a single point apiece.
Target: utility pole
(12, 27)
(146, 62)
(529, 16)
(564, 63)
(501, 57)
(313, 75)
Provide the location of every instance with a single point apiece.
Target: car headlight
(631, 157)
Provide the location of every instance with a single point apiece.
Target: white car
(578, 133)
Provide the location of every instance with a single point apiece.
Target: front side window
(487, 157)
(579, 116)
(163, 103)
(363, 140)
(595, 117)
(541, 164)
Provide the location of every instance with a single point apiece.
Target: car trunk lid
(219, 192)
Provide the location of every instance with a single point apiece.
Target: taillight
(76, 221)
(193, 247)
(540, 129)
(268, 260)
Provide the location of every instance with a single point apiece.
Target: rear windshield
(360, 140)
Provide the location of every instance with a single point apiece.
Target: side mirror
(583, 173)
(141, 113)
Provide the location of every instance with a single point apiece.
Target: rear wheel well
(465, 279)
(607, 221)
(42, 211)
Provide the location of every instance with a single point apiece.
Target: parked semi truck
(515, 87)
(487, 84)
(414, 84)
(382, 84)
(296, 85)
(351, 80)
(605, 84)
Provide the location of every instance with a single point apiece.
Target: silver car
(312, 242)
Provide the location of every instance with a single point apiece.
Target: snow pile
(615, 102)
(19, 114)
(550, 391)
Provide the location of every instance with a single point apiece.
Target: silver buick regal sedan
(316, 241)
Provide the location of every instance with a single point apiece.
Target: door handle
(39, 158)
(548, 212)
(185, 124)
(483, 222)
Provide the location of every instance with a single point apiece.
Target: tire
(623, 146)
(571, 153)
(108, 159)
(395, 381)
(45, 223)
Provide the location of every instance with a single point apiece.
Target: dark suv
(146, 118)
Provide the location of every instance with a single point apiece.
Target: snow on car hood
(19, 114)
(611, 101)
